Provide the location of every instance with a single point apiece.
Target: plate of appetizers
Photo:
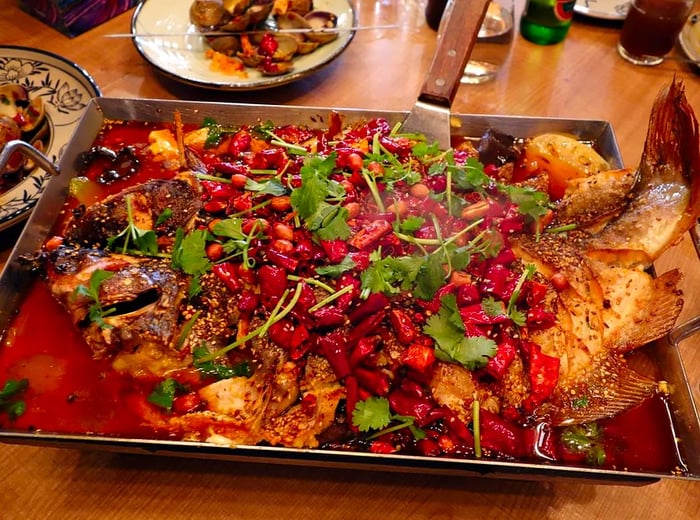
(42, 96)
(603, 9)
(252, 46)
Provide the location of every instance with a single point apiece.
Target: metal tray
(16, 279)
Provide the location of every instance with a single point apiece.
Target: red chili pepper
(239, 143)
(281, 333)
(370, 234)
(268, 45)
(414, 406)
(273, 281)
(281, 260)
(186, 403)
(467, 294)
(328, 317)
(434, 304)
(538, 318)
(428, 447)
(227, 272)
(229, 168)
(248, 301)
(366, 327)
(334, 347)
(335, 250)
(534, 292)
(419, 357)
(476, 314)
(543, 371)
(381, 447)
(374, 303)
(501, 436)
(495, 280)
(364, 348)
(403, 326)
(347, 280)
(375, 381)
(505, 354)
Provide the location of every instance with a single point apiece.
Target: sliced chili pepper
(374, 303)
(495, 280)
(229, 168)
(227, 272)
(505, 354)
(282, 260)
(248, 301)
(366, 327)
(186, 403)
(336, 250)
(501, 436)
(328, 317)
(402, 324)
(382, 447)
(347, 280)
(273, 281)
(476, 314)
(375, 381)
(281, 333)
(334, 347)
(419, 357)
(411, 405)
(363, 349)
(543, 371)
(370, 234)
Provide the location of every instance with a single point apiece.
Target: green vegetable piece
(96, 312)
(163, 395)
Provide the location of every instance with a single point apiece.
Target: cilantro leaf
(374, 413)
(163, 395)
(335, 270)
(96, 312)
(530, 202)
(269, 187)
(411, 224)
(371, 414)
(189, 255)
(585, 439)
(451, 344)
(218, 370)
(9, 397)
(145, 240)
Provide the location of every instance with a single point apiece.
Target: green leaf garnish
(163, 395)
(96, 311)
(585, 439)
(9, 398)
(451, 344)
(374, 413)
(189, 255)
(218, 370)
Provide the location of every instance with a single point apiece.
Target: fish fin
(611, 387)
(590, 202)
(639, 308)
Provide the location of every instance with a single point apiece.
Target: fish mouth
(116, 310)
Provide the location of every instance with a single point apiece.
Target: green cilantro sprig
(189, 255)
(10, 403)
(96, 312)
(451, 344)
(585, 439)
(317, 200)
(374, 413)
(144, 241)
(163, 394)
(218, 370)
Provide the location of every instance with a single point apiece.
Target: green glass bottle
(546, 21)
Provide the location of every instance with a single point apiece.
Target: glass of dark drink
(651, 28)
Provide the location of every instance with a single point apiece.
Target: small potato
(562, 157)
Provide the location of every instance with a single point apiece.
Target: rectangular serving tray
(16, 278)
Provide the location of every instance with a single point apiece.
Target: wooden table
(582, 77)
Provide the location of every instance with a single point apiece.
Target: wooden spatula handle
(457, 33)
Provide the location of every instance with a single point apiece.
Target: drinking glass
(492, 43)
(651, 29)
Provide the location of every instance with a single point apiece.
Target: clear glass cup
(651, 29)
(492, 44)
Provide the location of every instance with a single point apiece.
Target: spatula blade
(459, 27)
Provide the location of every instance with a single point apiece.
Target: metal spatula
(459, 27)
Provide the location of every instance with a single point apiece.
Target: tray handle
(16, 145)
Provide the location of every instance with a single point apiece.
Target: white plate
(65, 89)
(689, 38)
(181, 56)
(603, 9)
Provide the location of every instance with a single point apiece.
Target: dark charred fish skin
(180, 196)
